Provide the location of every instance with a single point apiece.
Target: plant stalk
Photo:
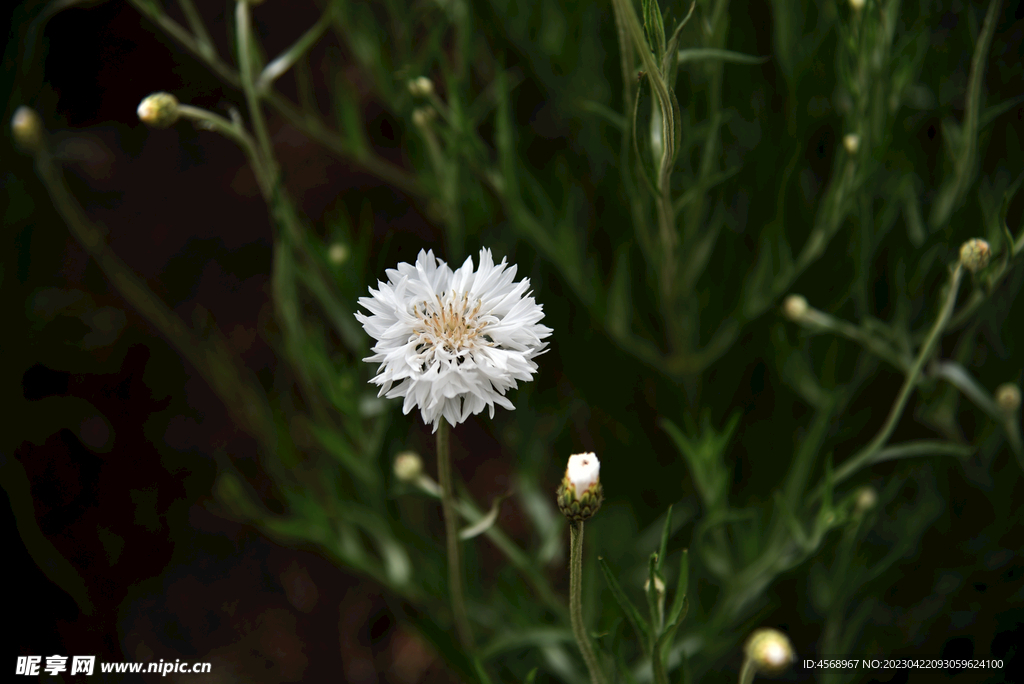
(576, 603)
(451, 533)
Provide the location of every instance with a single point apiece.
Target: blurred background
(123, 541)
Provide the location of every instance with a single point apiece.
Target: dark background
(122, 492)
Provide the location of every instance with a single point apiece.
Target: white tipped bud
(1008, 398)
(974, 254)
(851, 141)
(584, 471)
(422, 116)
(337, 254)
(27, 129)
(421, 87)
(867, 498)
(769, 650)
(580, 493)
(408, 466)
(857, 5)
(159, 110)
(794, 307)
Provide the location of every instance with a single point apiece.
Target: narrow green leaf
(711, 54)
(663, 547)
(640, 626)
(531, 676)
(654, 27)
(485, 523)
(675, 616)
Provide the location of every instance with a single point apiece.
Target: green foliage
(666, 187)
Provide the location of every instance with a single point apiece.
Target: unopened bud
(337, 253)
(159, 110)
(851, 141)
(421, 87)
(974, 254)
(422, 116)
(769, 650)
(659, 585)
(794, 307)
(857, 5)
(580, 493)
(27, 129)
(1008, 398)
(408, 466)
(867, 498)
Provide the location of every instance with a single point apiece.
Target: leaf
(485, 523)
(654, 27)
(663, 547)
(713, 54)
(640, 626)
(655, 602)
(676, 615)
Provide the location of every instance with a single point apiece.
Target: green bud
(975, 254)
(159, 110)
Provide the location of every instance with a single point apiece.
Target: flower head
(159, 110)
(27, 128)
(1008, 398)
(580, 493)
(452, 343)
(769, 650)
(975, 254)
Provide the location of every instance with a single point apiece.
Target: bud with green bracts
(580, 494)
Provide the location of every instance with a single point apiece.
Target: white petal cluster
(583, 471)
(452, 343)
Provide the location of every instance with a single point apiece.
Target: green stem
(234, 131)
(867, 453)
(748, 671)
(243, 21)
(576, 602)
(451, 533)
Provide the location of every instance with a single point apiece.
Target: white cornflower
(454, 342)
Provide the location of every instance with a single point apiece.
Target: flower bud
(794, 307)
(337, 253)
(580, 493)
(857, 5)
(974, 255)
(769, 650)
(159, 110)
(867, 498)
(659, 585)
(422, 116)
(1008, 398)
(851, 141)
(421, 87)
(27, 129)
(408, 466)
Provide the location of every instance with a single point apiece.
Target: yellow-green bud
(867, 498)
(857, 5)
(159, 110)
(974, 254)
(27, 129)
(1008, 398)
(769, 650)
(422, 116)
(794, 307)
(421, 87)
(408, 466)
(337, 253)
(580, 494)
(659, 585)
(851, 141)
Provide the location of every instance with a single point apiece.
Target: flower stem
(451, 533)
(576, 603)
(748, 671)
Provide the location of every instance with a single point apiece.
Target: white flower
(583, 471)
(454, 342)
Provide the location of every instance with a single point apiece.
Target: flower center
(449, 327)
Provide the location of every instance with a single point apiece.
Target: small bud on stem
(27, 129)
(975, 254)
(159, 110)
